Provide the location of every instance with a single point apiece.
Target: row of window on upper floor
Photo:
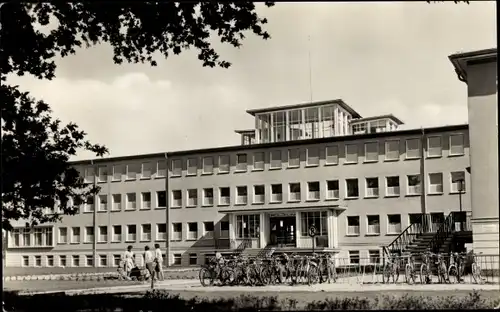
(371, 155)
(144, 171)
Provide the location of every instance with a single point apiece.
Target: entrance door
(282, 231)
(437, 220)
(415, 218)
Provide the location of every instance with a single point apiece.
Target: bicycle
(214, 270)
(410, 272)
(391, 269)
(425, 268)
(442, 272)
(455, 273)
(476, 269)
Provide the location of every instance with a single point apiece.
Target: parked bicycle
(442, 271)
(456, 268)
(425, 268)
(476, 269)
(410, 270)
(391, 269)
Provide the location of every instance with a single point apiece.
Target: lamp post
(460, 190)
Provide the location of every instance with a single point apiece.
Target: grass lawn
(63, 285)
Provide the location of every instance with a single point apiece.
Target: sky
(379, 58)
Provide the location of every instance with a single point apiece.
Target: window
(359, 128)
(275, 162)
(161, 231)
(208, 197)
(117, 234)
(392, 150)
(316, 218)
(192, 166)
(225, 196)
(89, 234)
(177, 198)
(161, 199)
(276, 193)
(208, 165)
(145, 232)
(352, 188)
(177, 259)
(131, 233)
(103, 202)
(259, 194)
(192, 200)
(132, 171)
(176, 232)
(374, 256)
(434, 146)
(192, 231)
(353, 225)
(176, 167)
(332, 189)
(241, 162)
(394, 224)
(89, 261)
(193, 259)
(371, 152)
(224, 164)
(50, 261)
(241, 195)
(38, 261)
(413, 184)
(26, 261)
(435, 183)
(313, 191)
(372, 187)
(412, 148)
(27, 237)
(258, 161)
(117, 202)
(373, 225)
(116, 260)
(351, 154)
(75, 235)
(224, 229)
(118, 172)
(63, 235)
(89, 175)
(332, 155)
(248, 226)
(161, 168)
(456, 144)
(89, 204)
(293, 158)
(103, 234)
(146, 170)
(15, 235)
(103, 261)
(131, 201)
(312, 156)
(457, 181)
(354, 256)
(294, 192)
(103, 174)
(392, 186)
(208, 229)
(75, 259)
(62, 261)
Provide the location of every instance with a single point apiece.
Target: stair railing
(247, 242)
(401, 242)
(454, 222)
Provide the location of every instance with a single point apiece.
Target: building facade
(359, 181)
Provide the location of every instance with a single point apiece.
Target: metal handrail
(449, 228)
(406, 237)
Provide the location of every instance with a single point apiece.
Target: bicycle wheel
(453, 274)
(206, 277)
(312, 275)
(227, 276)
(476, 273)
(395, 274)
(386, 275)
(408, 274)
(424, 273)
(265, 276)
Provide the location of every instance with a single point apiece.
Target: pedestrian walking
(149, 259)
(159, 262)
(128, 260)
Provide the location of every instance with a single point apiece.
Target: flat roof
(460, 60)
(351, 111)
(389, 116)
(246, 131)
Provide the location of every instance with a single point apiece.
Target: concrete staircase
(251, 252)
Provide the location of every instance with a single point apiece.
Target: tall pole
(423, 188)
(94, 217)
(460, 185)
(167, 212)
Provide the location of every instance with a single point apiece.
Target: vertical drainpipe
(94, 217)
(423, 180)
(167, 210)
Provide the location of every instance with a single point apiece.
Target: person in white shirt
(149, 258)
(158, 262)
(129, 260)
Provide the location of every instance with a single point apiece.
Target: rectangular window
(103, 234)
(332, 189)
(258, 161)
(275, 162)
(414, 187)
(118, 172)
(131, 233)
(26, 234)
(436, 183)
(103, 202)
(63, 235)
(392, 186)
(177, 232)
(177, 167)
(145, 232)
(38, 261)
(373, 225)
(161, 168)
(412, 148)
(371, 152)
(316, 218)
(117, 234)
(352, 188)
(294, 189)
(89, 234)
(224, 229)
(103, 174)
(353, 225)
(89, 204)
(248, 226)
(26, 261)
(50, 261)
(103, 261)
(332, 155)
(131, 201)
(293, 158)
(193, 259)
(146, 200)
(161, 199)
(75, 259)
(176, 198)
(351, 153)
(241, 195)
(224, 164)
(394, 224)
(354, 256)
(75, 235)
(457, 144)
(208, 165)
(457, 182)
(132, 171)
(89, 175)
(374, 256)
(89, 260)
(434, 146)
(208, 229)
(177, 259)
(312, 156)
(117, 202)
(241, 162)
(192, 231)
(225, 196)
(372, 187)
(208, 197)
(62, 261)
(276, 193)
(192, 166)
(146, 170)
(116, 260)
(192, 198)
(313, 190)
(392, 150)
(259, 194)
(161, 232)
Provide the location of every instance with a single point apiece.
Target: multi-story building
(359, 181)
